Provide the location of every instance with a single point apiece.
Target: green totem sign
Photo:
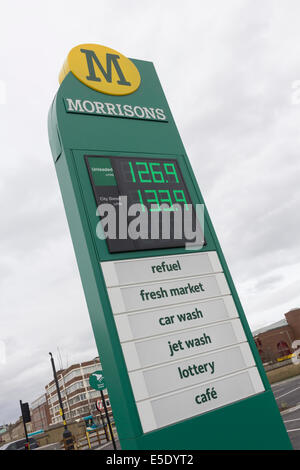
(180, 363)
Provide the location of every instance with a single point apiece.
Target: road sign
(180, 363)
(96, 380)
(99, 405)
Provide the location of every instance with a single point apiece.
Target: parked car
(20, 444)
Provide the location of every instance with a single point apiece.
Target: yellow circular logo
(102, 69)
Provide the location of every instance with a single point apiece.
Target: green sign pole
(99, 408)
(180, 363)
(97, 382)
(108, 420)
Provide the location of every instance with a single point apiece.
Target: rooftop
(272, 326)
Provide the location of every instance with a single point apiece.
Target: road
(287, 395)
(109, 446)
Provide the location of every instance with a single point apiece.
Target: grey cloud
(227, 70)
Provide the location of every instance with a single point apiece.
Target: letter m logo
(106, 73)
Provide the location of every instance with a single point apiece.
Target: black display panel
(156, 204)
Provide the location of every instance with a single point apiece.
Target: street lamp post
(67, 435)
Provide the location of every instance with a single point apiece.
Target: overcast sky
(228, 71)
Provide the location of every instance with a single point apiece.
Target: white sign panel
(184, 346)
(178, 406)
(164, 348)
(177, 317)
(156, 381)
(120, 273)
(160, 294)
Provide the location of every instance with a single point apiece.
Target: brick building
(274, 342)
(40, 415)
(78, 398)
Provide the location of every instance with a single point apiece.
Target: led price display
(160, 174)
(155, 185)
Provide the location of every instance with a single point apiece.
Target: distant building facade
(274, 342)
(79, 399)
(3, 432)
(16, 431)
(40, 415)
